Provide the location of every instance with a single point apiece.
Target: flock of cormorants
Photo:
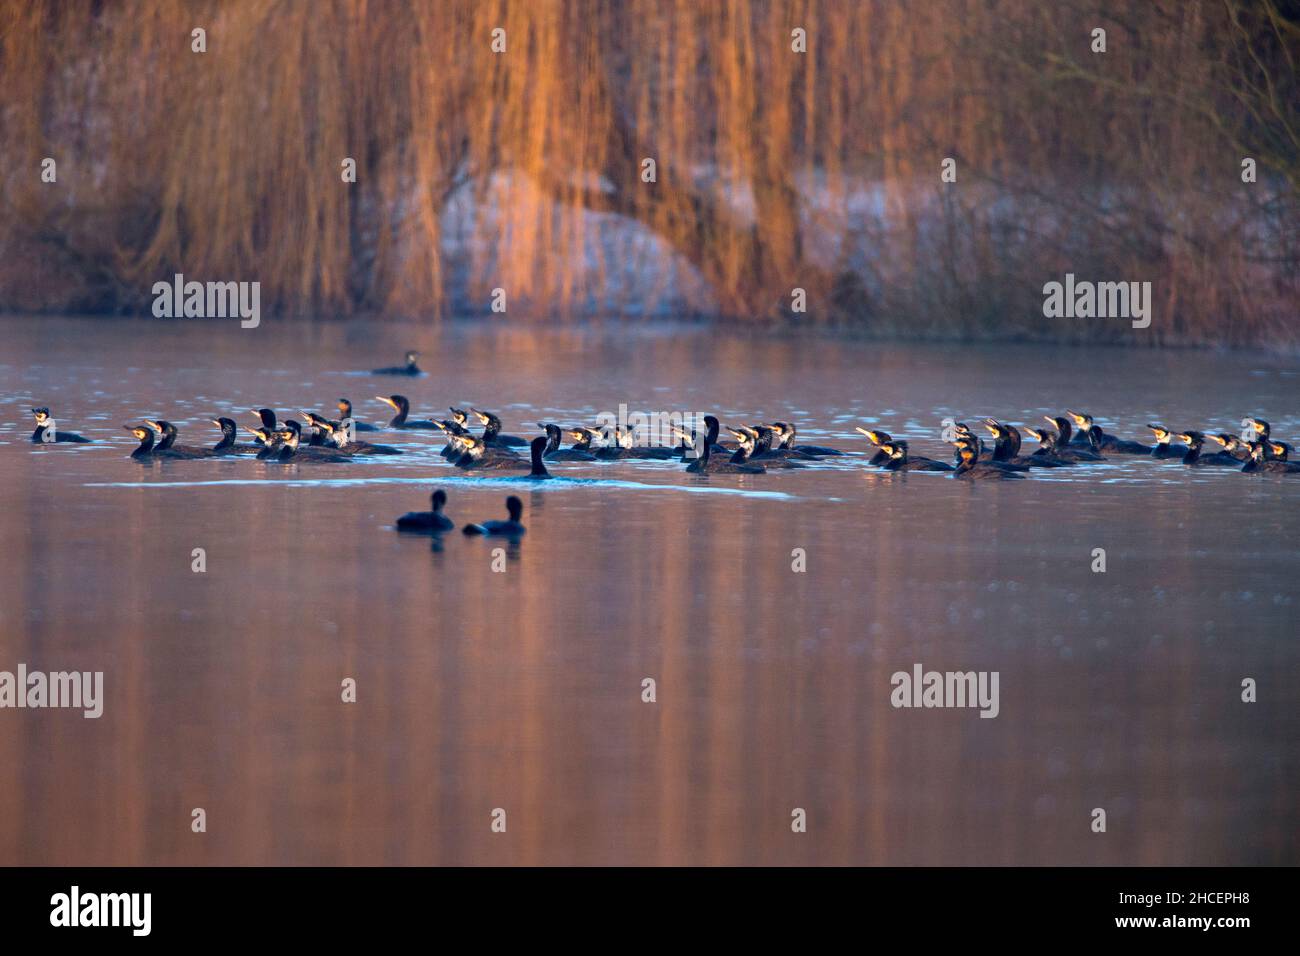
(1074, 439)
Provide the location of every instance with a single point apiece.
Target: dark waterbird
(427, 521)
(510, 527)
(47, 432)
(402, 406)
(410, 368)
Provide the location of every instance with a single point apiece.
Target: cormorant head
(140, 432)
(267, 416)
(538, 447)
(439, 499)
(552, 435)
(459, 415)
(397, 403)
(1192, 439)
(412, 358)
(289, 434)
(876, 438)
(1039, 435)
(1081, 421)
(227, 426)
(743, 436)
(1163, 435)
(994, 427)
(345, 408)
(1281, 450)
(264, 435)
(1063, 428)
(486, 419)
(1261, 427)
(164, 428)
(1229, 442)
(42, 415)
(711, 423)
(515, 507)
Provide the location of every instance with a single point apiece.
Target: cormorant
(427, 521)
(515, 508)
(410, 368)
(47, 433)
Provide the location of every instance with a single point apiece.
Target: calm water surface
(522, 690)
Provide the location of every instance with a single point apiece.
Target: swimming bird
(970, 468)
(620, 445)
(336, 437)
(1091, 434)
(410, 368)
(788, 432)
(879, 439)
(166, 447)
(769, 445)
(492, 436)
(751, 446)
(267, 417)
(456, 439)
(345, 412)
(1163, 447)
(1061, 443)
(510, 527)
(229, 433)
(401, 405)
(1194, 456)
(1051, 449)
(267, 441)
(1006, 449)
(1281, 450)
(899, 460)
(479, 456)
(47, 433)
(553, 450)
(291, 450)
(1232, 445)
(427, 521)
(144, 435)
(708, 463)
(1260, 465)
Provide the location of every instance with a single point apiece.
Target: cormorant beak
(482, 418)
(152, 424)
(1078, 419)
(1218, 440)
(387, 401)
(870, 434)
(1277, 449)
(215, 422)
(1256, 424)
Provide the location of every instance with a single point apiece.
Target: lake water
(522, 689)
